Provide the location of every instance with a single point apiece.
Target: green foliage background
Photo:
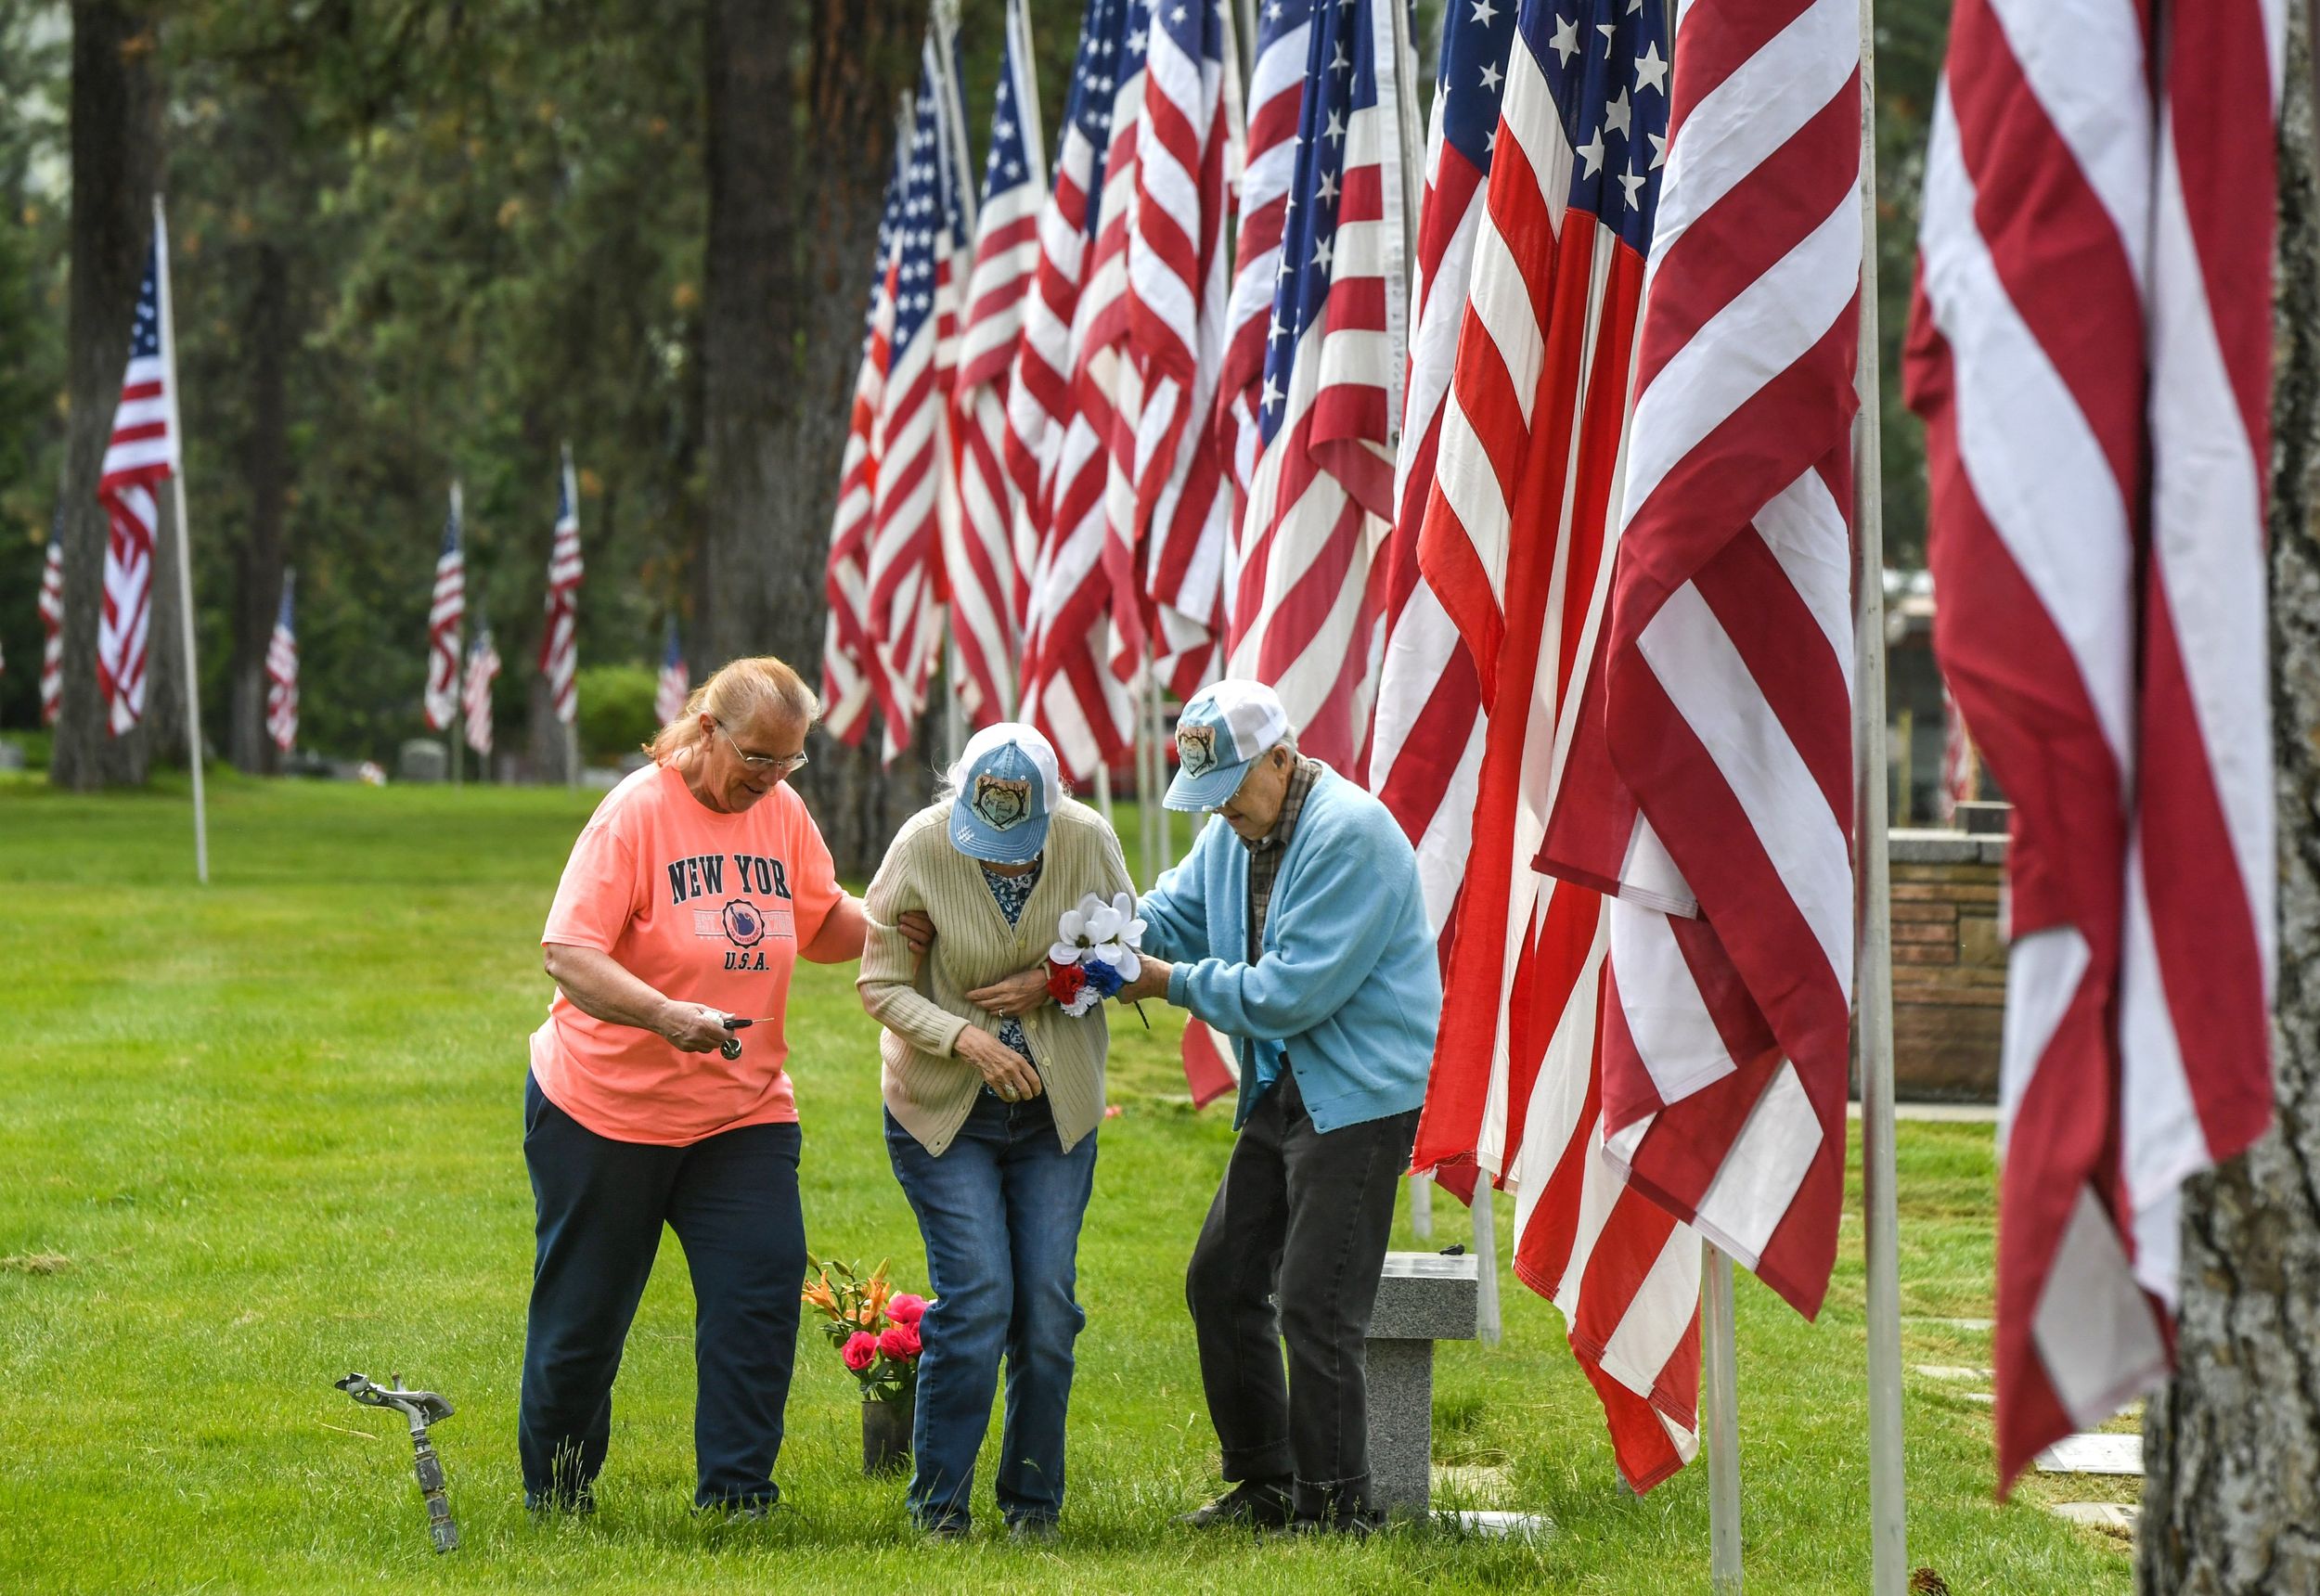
(486, 228)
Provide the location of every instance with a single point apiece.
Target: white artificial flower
(1071, 934)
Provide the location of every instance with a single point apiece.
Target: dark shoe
(1358, 1521)
(1253, 1505)
(943, 1528)
(1034, 1529)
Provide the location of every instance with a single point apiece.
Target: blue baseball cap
(1224, 727)
(1007, 787)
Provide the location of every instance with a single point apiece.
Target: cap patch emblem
(1196, 747)
(1000, 804)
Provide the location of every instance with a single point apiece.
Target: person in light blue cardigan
(1295, 928)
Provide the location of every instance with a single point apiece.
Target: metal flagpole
(1485, 1261)
(185, 552)
(1889, 1529)
(1720, 1404)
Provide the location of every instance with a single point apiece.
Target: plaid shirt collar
(1265, 852)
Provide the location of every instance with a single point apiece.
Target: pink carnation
(899, 1340)
(907, 1308)
(860, 1350)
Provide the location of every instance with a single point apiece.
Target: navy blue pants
(1000, 1212)
(733, 1201)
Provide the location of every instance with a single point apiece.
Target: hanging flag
(1276, 95)
(52, 624)
(560, 641)
(281, 674)
(1321, 498)
(1711, 781)
(2094, 371)
(1189, 141)
(917, 484)
(1518, 515)
(1961, 767)
(676, 684)
(142, 455)
(1064, 405)
(1425, 744)
(847, 655)
(482, 669)
(445, 615)
(988, 574)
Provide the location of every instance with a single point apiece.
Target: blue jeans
(1000, 1212)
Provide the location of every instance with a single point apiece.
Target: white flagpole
(185, 549)
(1889, 1529)
(1720, 1411)
(1485, 1261)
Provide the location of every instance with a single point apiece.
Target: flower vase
(886, 1434)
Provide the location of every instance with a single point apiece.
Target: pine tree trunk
(798, 149)
(116, 144)
(2231, 1497)
(258, 555)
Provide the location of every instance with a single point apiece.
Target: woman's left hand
(1017, 994)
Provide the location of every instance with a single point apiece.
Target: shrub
(615, 710)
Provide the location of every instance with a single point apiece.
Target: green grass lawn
(254, 1136)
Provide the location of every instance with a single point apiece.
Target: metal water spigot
(422, 1408)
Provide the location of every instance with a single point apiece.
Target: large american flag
(482, 670)
(143, 454)
(51, 626)
(675, 683)
(847, 655)
(988, 570)
(1188, 140)
(1720, 718)
(281, 672)
(1061, 408)
(1321, 498)
(1276, 94)
(2094, 374)
(445, 613)
(917, 484)
(1426, 742)
(1519, 513)
(559, 644)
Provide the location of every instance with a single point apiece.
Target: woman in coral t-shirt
(657, 1092)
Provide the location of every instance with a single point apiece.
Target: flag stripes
(560, 648)
(142, 454)
(281, 674)
(447, 611)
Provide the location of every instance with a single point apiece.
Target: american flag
(1061, 405)
(1321, 499)
(1723, 697)
(281, 674)
(917, 484)
(1961, 767)
(1425, 744)
(142, 455)
(987, 570)
(444, 615)
(482, 670)
(1276, 94)
(559, 644)
(52, 625)
(847, 656)
(1519, 513)
(2094, 374)
(676, 683)
(1189, 140)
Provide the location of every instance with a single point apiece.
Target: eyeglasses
(777, 766)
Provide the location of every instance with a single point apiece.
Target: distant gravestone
(422, 760)
(1421, 1298)
(11, 755)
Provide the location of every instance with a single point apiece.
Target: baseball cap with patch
(1008, 788)
(1224, 727)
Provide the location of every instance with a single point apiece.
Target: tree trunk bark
(258, 557)
(2231, 1497)
(116, 149)
(797, 153)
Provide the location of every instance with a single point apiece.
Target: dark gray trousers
(1291, 1251)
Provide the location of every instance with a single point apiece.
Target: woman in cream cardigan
(993, 1095)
